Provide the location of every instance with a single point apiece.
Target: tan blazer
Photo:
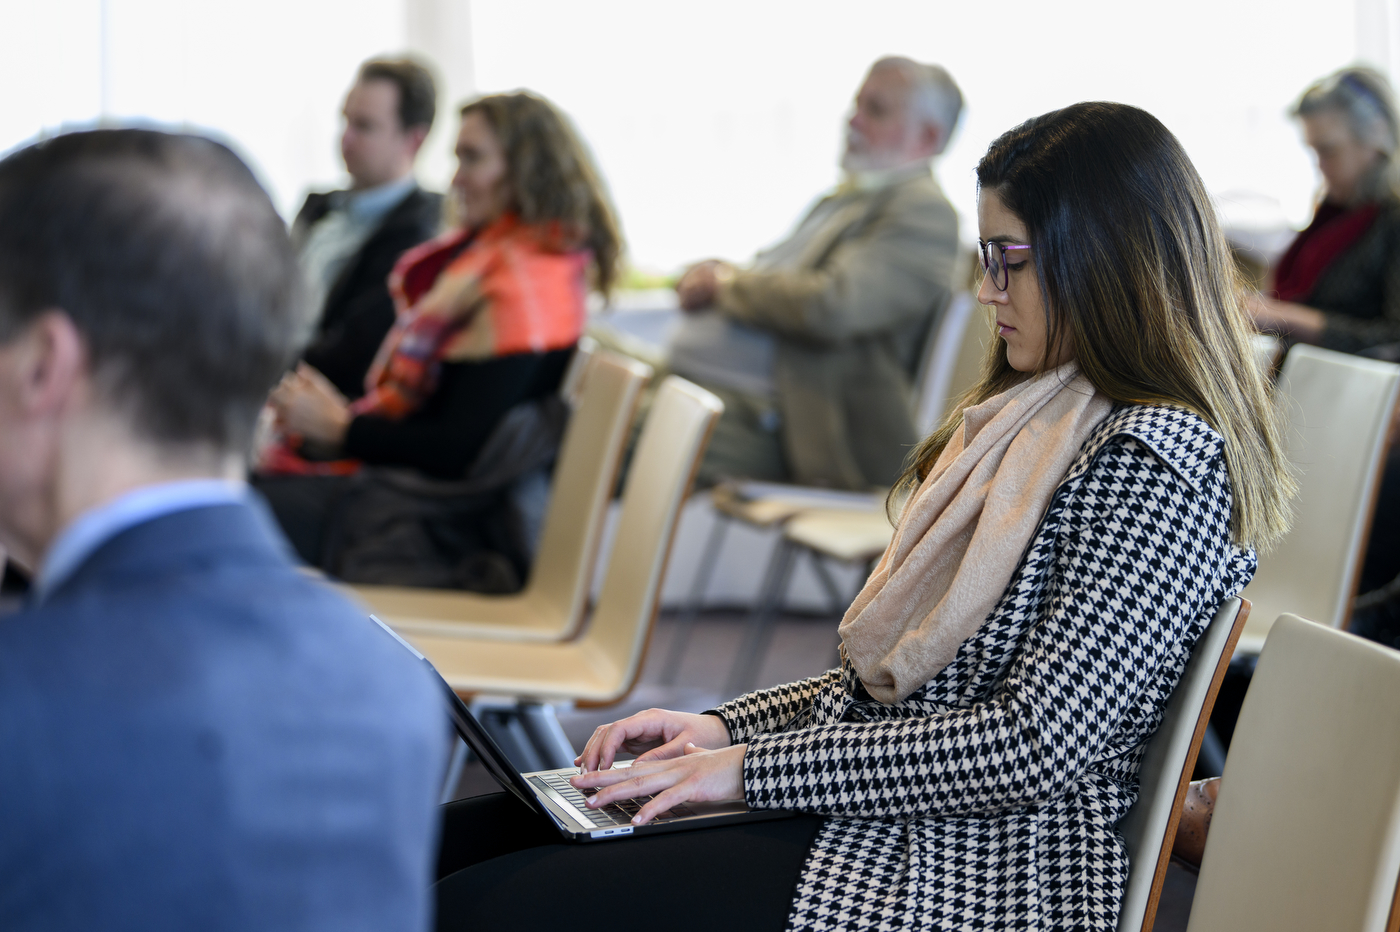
(851, 298)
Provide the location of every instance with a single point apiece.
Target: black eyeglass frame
(994, 263)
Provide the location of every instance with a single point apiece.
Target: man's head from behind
(388, 113)
(904, 113)
(147, 293)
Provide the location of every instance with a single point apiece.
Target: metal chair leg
(760, 627)
(506, 726)
(839, 602)
(547, 735)
(685, 622)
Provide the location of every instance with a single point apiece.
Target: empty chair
(552, 604)
(849, 535)
(1306, 831)
(955, 360)
(602, 665)
(1150, 826)
(1338, 408)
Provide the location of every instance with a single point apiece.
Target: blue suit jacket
(195, 735)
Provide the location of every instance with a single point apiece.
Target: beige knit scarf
(964, 529)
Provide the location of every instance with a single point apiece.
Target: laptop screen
(470, 730)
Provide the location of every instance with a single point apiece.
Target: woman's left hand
(696, 776)
(308, 404)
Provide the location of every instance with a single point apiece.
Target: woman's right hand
(655, 734)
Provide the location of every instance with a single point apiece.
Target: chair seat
(776, 504)
(525, 616)
(574, 670)
(761, 512)
(850, 536)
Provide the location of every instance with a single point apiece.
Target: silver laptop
(549, 791)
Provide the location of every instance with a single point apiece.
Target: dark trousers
(503, 866)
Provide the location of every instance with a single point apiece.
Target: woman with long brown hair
(488, 316)
(1069, 533)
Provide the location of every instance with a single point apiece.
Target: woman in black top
(488, 316)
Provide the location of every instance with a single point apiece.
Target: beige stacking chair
(956, 361)
(1150, 826)
(1338, 408)
(1306, 830)
(552, 604)
(603, 664)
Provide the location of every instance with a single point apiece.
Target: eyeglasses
(994, 262)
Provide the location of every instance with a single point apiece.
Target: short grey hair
(934, 96)
(1363, 96)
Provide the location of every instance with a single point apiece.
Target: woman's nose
(987, 293)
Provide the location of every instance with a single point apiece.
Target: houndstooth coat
(988, 798)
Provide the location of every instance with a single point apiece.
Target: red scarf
(1332, 232)
(510, 288)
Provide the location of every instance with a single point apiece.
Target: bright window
(715, 124)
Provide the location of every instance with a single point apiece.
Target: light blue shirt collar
(96, 526)
(370, 205)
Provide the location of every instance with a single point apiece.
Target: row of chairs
(520, 656)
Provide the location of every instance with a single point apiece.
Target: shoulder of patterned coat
(1179, 437)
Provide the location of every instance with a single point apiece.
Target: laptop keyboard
(618, 813)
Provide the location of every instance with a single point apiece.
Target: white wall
(714, 124)
(268, 76)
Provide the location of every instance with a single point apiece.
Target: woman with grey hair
(1338, 285)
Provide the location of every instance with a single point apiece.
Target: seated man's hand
(1286, 318)
(657, 732)
(697, 775)
(699, 285)
(309, 405)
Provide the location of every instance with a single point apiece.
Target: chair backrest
(1306, 830)
(1150, 826)
(658, 481)
(584, 475)
(572, 381)
(1338, 410)
(927, 359)
(955, 361)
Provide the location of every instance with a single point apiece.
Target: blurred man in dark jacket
(348, 241)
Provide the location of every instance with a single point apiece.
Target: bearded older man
(814, 345)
